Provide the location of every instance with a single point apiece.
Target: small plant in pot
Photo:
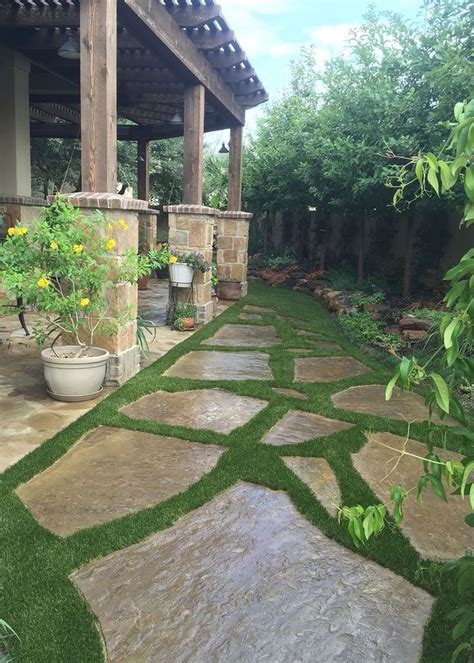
(62, 267)
(182, 267)
(184, 317)
(143, 250)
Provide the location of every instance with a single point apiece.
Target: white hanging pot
(181, 275)
(71, 378)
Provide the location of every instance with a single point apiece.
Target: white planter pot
(74, 379)
(181, 275)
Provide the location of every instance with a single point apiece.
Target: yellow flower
(84, 302)
(110, 244)
(42, 282)
(110, 227)
(17, 230)
(123, 224)
(172, 259)
(54, 245)
(77, 248)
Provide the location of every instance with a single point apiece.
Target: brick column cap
(236, 215)
(104, 201)
(22, 200)
(191, 209)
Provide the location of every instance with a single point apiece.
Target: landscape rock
(411, 323)
(413, 335)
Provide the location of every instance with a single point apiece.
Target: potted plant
(182, 267)
(143, 249)
(184, 317)
(61, 267)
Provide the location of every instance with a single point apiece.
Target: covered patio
(135, 70)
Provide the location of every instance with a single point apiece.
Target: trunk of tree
(361, 255)
(411, 228)
(265, 232)
(324, 240)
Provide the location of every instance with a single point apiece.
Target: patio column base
(24, 209)
(124, 361)
(232, 247)
(191, 229)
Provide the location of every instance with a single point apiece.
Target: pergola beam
(155, 28)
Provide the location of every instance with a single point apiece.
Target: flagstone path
(246, 576)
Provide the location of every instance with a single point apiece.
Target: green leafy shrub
(361, 327)
(194, 260)
(362, 299)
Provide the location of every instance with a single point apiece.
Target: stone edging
(209, 211)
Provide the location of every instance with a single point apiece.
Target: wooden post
(143, 170)
(235, 169)
(193, 144)
(98, 30)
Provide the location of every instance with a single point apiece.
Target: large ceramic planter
(229, 290)
(70, 378)
(181, 275)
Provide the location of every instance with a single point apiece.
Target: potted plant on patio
(61, 266)
(182, 267)
(184, 318)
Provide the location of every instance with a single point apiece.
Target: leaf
(441, 392)
(448, 341)
(469, 182)
(437, 486)
(447, 180)
(467, 471)
(419, 171)
(463, 624)
(432, 160)
(390, 386)
(458, 109)
(469, 519)
(464, 646)
(433, 179)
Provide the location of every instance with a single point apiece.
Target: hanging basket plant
(183, 266)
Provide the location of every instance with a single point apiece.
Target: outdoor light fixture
(223, 149)
(176, 119)
(69, 50)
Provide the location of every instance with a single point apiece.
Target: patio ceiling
(163, 46)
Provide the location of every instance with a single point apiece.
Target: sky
(272, 32)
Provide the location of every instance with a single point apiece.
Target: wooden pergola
(147, 62)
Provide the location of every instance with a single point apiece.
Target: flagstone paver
(258, 309)
(370, 399)
(250, 316)
(112, 472)
(317, 473)
(292, 393)
(436, 529)
(246, 577)
(309, 334)
(327, 369)
(296, 427)
(244, 336)
(214, 409)
(209, 365)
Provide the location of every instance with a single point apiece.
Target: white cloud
(330, 40)
(247, 18)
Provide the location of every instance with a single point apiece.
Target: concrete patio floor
(29, 416)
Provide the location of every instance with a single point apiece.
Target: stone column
(15, 169)
(124, 359)
(147, 227)
(191, 229)
(232, 247)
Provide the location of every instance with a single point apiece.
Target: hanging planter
(182, 268)
(181, 275)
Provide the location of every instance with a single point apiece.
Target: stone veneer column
(147, 226)
(191, 229)
(232, 247)
(24, 209)
(124, 359)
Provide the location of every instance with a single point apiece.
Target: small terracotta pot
(189, 323)
(142, 282)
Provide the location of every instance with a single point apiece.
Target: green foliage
(62, 266)
(216, 175)
(361, 299)
(183, 311)
(6, 634)
(361, 327)
(145, 328)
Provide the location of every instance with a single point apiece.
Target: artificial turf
(45, 608)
